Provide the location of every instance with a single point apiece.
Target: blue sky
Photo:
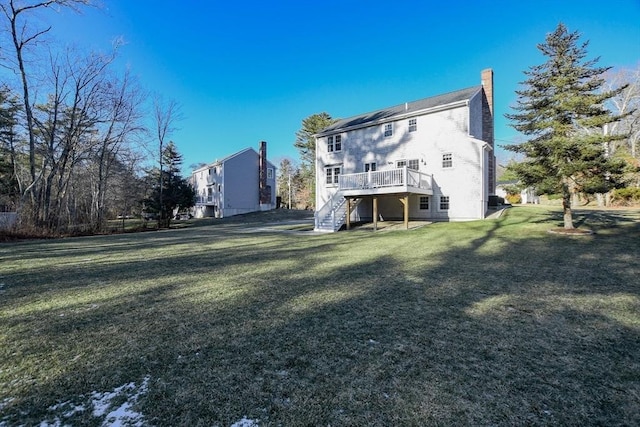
(246, 71)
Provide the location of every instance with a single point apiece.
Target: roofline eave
(394, 118)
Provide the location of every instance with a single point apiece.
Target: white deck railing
(204, 200)
(400, 177)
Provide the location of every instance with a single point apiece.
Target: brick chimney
(488, 123)
(264, 190)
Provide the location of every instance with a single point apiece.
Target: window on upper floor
(447, 160)
(334, 143)
(332, 173)
(388, 130)
(444, 203)
(413, 125)
(424, 203)
(269, 173)
(370, 167)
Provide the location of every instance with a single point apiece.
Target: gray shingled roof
(402, 109)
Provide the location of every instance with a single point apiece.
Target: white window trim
(415, 124)
(334, 181)
(384, 130)
(450, 160)
(406, 163)
(440, 203)
(428, 203)
(337, 140)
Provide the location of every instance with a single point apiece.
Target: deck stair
(332, 216)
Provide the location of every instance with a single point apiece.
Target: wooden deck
(392, 181)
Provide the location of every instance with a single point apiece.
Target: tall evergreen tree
(175, 192)
(306, 145)
(9, 188)
(562, 102)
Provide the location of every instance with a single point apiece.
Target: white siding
(437, 133)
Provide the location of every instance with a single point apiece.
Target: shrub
(626, 196)
(514, 198)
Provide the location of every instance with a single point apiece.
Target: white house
(240, 183)
(430, 159)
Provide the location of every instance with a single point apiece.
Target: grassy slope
(485, 323)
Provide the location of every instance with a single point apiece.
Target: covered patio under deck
(400, 182)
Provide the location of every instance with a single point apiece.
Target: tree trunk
(566, 207)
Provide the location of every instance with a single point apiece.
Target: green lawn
(493, 322)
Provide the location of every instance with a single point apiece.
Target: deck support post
(375, 213)
(348, 213)
(405, 202)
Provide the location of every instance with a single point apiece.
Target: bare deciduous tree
(165, 115)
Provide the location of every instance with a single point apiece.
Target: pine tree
(560, 106)
(306, 145)
(176, 191)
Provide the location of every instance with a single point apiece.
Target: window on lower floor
(444, 203)
(332, 172)
(411, 164)
(424, 203)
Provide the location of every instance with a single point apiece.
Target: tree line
(73, 133)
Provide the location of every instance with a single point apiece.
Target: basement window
(444, 203)
(424, 203)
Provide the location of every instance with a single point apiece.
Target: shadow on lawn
(352, 329)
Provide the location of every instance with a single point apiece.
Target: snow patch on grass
(245, 422)
(104, 406)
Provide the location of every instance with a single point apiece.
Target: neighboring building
(430, 159)
(241, 183)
